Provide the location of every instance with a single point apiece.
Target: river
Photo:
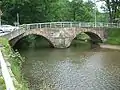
(71, 69)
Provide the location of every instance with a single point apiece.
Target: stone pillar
(61, 42)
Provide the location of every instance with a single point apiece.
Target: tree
(46, 10)
(81, 11)
(113, 7)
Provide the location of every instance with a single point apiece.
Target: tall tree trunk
(110, 10)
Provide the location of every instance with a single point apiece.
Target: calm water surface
(72, 69)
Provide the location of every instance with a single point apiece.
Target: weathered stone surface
(59, 37)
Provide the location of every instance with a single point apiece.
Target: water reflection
(72, 69)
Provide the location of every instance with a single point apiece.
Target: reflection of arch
(93, 36)
(16, 40)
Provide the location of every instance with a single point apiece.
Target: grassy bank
(113, 36)
(2, 83)
(15, 60)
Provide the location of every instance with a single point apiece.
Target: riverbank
(5, 69)
(108, 46)
(2, 83)
(113, 36)
(15, 60)
(113, 39)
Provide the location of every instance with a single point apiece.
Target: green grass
(113, 36)
(2, 83)
(15, 59)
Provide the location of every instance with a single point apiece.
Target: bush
(113, 36)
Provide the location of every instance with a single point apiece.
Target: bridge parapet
(70, 25)
(15, 33)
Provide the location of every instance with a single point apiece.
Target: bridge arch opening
(31, 41)
(94, 37)
(85, 38)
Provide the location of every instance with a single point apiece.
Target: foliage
(81, 11)
(102, 17)
(81, 39)
(2, 83)
(46, 10)
(15, 60)
(113, 36)
(113, 8)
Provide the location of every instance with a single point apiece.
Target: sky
(98, 4)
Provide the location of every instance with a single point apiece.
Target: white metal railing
(69, 24)
(15, 33)
(24, 27)
(8, 80)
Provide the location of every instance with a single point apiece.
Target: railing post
(79, 24)
(93, 25)
(27, 27)
(62, 25)
(54, 25)
(88, 24)
(45, 26)
(71, 25)
(50, 25)
(107, 24)
(40, 25)
(37, 26)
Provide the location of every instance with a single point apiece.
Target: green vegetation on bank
(2, 83)
(15, 60)
(113, 36)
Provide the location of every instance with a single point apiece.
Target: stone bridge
(60, 35)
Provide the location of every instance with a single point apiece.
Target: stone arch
(95, 38)
(15, 40)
